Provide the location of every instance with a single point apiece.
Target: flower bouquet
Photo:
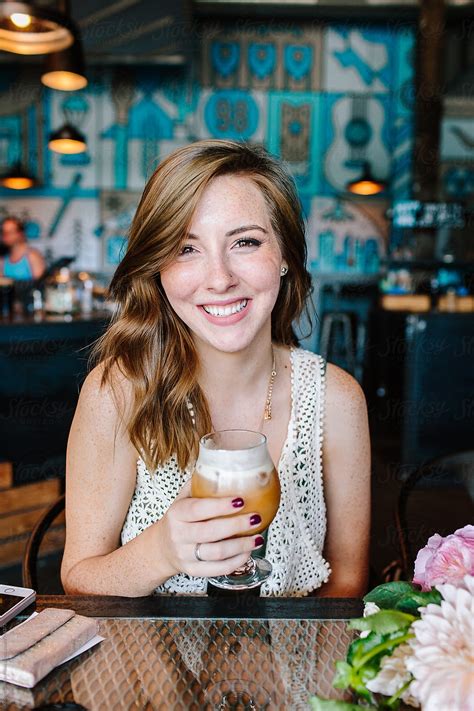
(416, 646)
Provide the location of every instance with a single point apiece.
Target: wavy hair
(146, 340)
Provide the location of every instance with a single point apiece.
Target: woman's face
(225, 282)
(11, 233)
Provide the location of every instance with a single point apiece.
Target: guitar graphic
(357, 138)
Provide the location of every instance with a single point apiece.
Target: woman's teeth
(226, 310)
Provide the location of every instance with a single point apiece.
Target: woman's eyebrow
(236, 231)
(245, 228)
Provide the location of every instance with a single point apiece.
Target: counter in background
(43, 362)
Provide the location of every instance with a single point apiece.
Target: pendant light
(366, 185)
(17, 178)
(29, 29)
(68, 140)
(65, 70)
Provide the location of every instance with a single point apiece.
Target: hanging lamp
(68, 140)
(366, 185)
(26, 28)
(17, 178)
(65, 70)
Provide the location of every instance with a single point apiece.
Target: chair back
(31, 555)
(437, 497)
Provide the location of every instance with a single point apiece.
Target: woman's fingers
(220, 528)
(207, 569)
(224, 550)
(192, 509)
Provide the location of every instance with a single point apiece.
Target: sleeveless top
(17, 270)
(296, 536)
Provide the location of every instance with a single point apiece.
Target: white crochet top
(296, 536)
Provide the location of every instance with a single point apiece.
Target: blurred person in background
(21, 262)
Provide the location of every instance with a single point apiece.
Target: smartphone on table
(13, 600)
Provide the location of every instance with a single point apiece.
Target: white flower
(442, 660)
(393, 675)
(370, 608)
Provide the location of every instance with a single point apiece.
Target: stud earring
(283, 271)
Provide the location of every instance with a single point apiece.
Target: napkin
(31, 650)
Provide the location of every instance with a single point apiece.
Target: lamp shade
(65, 70)
(67, 139)
(17, 178)
(29, 29)
(366, 185)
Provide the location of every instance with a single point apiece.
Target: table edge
(184, 606)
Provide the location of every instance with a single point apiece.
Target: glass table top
(195, 665)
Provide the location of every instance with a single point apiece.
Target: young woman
(22, 261)
(212, 280)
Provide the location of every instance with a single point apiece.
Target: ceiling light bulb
(20, 20)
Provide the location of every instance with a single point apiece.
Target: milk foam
(213, 472)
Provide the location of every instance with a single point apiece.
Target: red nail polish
(237, 503)
(254, 519)
(259, 541)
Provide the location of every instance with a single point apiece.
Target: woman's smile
(225, 314)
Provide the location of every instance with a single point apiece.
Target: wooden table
(195, 653)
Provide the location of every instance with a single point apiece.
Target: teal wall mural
(322, 98)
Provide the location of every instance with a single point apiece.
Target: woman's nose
(219, 275)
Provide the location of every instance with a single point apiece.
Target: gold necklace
(267, 412)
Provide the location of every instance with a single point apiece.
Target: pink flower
(445, 560)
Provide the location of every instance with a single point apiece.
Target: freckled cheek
(180, 283)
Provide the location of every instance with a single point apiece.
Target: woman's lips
(228, 319)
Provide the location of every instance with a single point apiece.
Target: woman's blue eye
(248, 242)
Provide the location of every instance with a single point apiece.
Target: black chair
(437, 497)
(30, 572)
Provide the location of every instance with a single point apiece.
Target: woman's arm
(100, 481)
(37, 263)
(346, 466)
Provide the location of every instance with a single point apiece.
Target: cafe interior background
(336, 90)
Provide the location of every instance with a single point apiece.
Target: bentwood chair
(437, 497)
(30, 571)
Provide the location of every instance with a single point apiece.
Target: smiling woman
(213, 278)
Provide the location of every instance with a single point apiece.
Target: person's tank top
(296, 536)
(20, 270)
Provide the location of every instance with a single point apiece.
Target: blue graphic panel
(231, 114)
(298, 60)
(356, 129)
(262, 59)
(225, 57)
(306, 169)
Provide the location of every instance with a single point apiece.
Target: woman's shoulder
(107, 391)
(346, 409)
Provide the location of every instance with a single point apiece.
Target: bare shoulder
(107, 400)
(342, 388)
(346, 409)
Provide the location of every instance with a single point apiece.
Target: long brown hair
(146, 340)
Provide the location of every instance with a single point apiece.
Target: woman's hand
(211, 523)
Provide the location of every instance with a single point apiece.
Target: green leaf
(362, 646)
(318, 704)
(343, 676)
(383, 622)
(387, 595)
(415, 599)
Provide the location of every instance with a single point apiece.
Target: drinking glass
(237, 463)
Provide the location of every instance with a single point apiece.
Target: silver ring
(197, 554)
